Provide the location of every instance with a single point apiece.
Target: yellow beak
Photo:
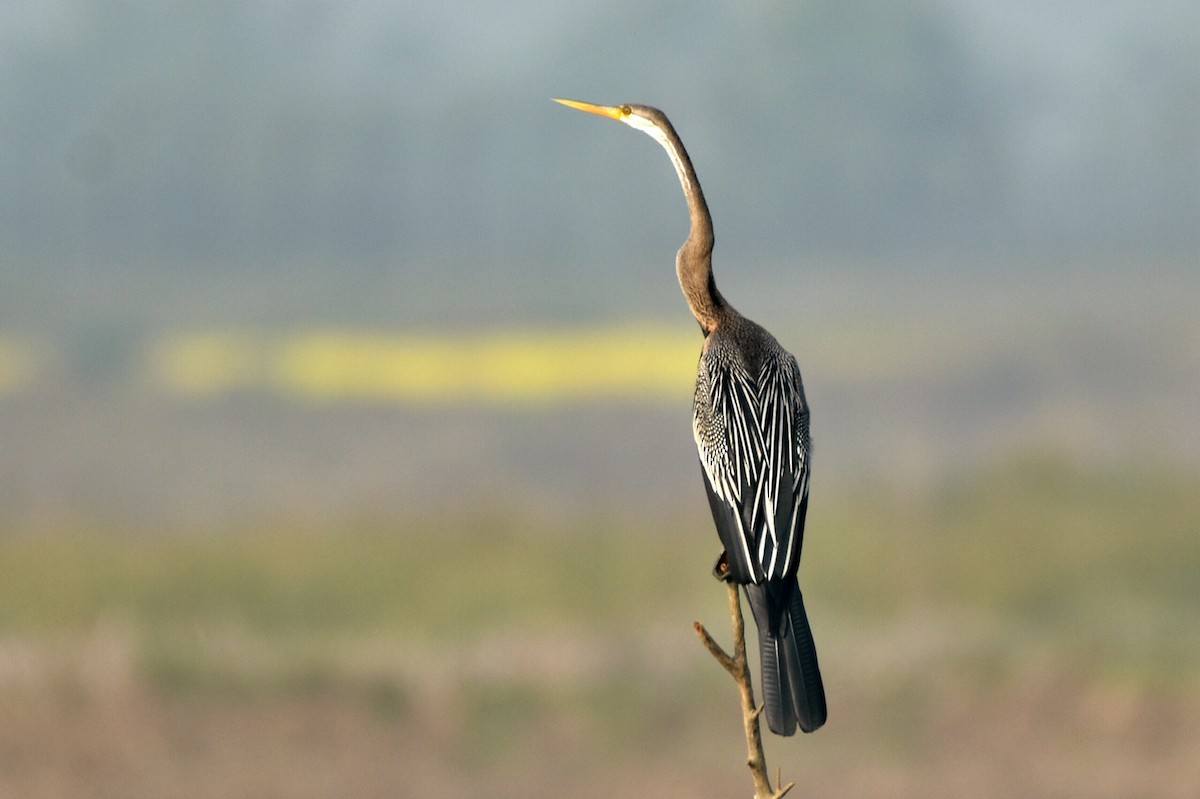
(610, 111)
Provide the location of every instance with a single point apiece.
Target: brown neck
(693, 264)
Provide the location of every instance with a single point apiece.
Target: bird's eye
(626, 110)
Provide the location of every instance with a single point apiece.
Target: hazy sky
(241, 130)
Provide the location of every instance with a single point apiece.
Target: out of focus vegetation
(1021, 594)
(1049, 548)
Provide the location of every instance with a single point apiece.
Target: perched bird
(750, 421)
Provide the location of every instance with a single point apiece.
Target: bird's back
(750, 421)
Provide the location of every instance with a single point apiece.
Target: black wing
(751, 432)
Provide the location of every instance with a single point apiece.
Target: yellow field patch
(19, 364)
(208, 363)
(639, 363)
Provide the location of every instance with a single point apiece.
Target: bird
(750, 420)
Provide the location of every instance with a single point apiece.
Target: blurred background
(345, 394)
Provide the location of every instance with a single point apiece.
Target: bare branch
(738, 668)
(724, 658)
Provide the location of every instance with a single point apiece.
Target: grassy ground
(1026, 629)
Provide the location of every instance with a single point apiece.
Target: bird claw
(721, 568)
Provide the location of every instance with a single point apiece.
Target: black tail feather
(778, 706)
(793, 693)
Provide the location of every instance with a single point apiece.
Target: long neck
(693, 264)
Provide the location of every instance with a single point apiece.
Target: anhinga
(750, 421)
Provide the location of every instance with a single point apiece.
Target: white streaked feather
(756, 434)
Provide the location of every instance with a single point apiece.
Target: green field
(1033, 613)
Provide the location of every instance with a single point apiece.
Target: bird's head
(648, 120)
(693, 263)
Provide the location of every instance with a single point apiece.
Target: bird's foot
(721, 568)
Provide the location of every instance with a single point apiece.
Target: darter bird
(750, 421)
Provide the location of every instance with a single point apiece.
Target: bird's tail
(791, 680)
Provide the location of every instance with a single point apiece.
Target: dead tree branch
(737, 667)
